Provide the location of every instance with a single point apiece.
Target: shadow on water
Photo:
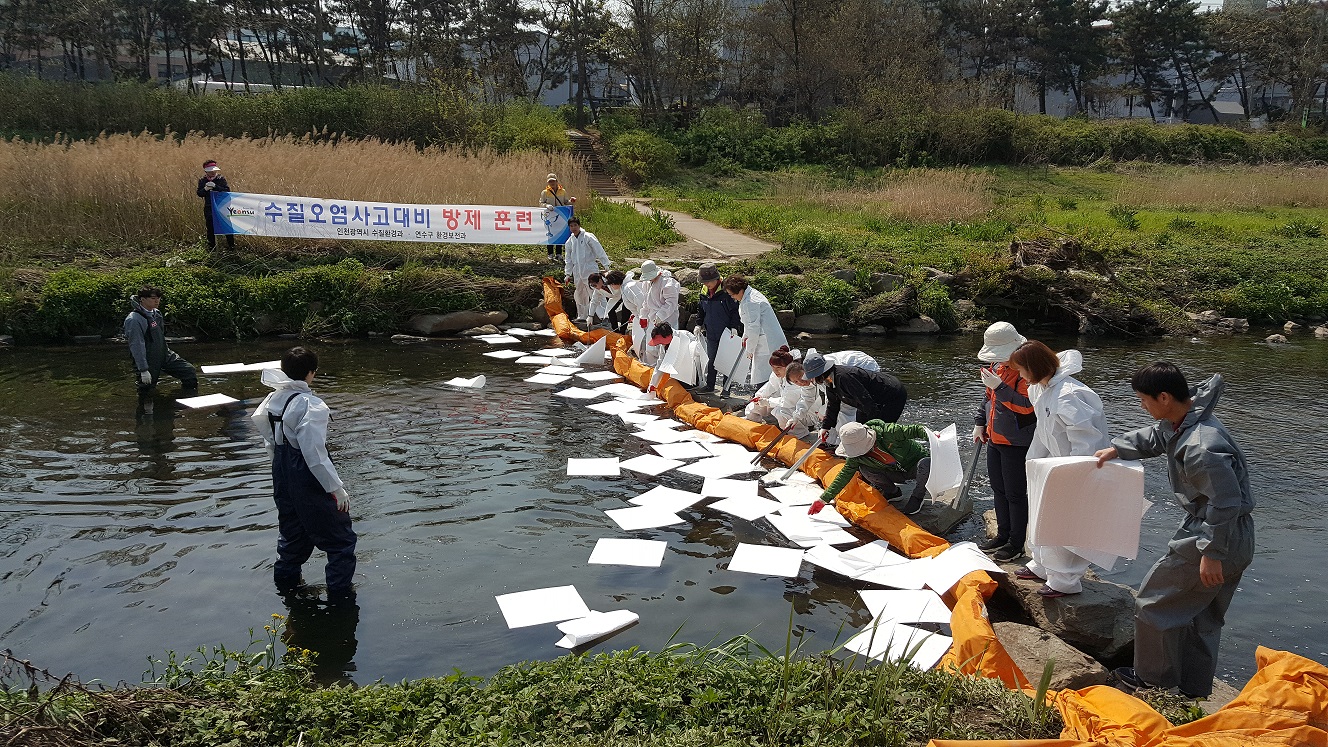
(128, 526)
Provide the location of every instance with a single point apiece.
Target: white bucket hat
(999, 343)
(855, 439)
(649, 270)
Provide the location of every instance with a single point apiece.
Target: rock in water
(1321, 333)
(1099, 621)
(873, 330)
(922, 325)
(786, 318)
(1031, 648)
(435, 324)
(816, 323)
(1275, 339)
(1291, 327)
(487, 329)
(409, 338)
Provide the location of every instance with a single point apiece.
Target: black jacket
(718, 312)
(876, 394)
(218, 185)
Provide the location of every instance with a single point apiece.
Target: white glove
(209, 186)
(979, 434)
(990, 378)
(343, 499)
(698, 331)
(145, 378)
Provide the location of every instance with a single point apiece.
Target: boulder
(688, 276)
(884, 282)
(846, 275)
(540, 314)
(873, 330)
(922, 325)
(1321, 333)
(1099, 621)
(487, 329)
(816, 323)
(1209, 317)
(435, 324)
(940, 276)
(786, 318)
(1290, 327)
(1031, 649)
(532, 326)
(181, 340)
(1234, 324)
(965, 309)
(409, 338)
(1275, 339)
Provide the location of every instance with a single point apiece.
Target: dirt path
(705, 240)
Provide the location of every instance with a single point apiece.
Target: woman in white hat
(1005, 422)
(884, 454)
(659, 304)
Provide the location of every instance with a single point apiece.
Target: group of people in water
(1032, 407)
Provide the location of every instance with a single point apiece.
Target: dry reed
(1228, 188)
(133, 188)
(914, 195)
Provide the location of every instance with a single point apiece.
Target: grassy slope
(1263, 262)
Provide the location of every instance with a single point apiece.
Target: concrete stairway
(583, 149)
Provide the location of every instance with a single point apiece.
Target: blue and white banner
(245, 214)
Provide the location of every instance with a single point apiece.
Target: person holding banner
(1070, 422)
(885, 455)
(585, 256)
(718, 312)
(683, 357)
(660, 304)
(554, 196)
(210, 183)
(762, 334)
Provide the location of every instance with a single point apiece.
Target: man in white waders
(1182, 603)
(313, 507)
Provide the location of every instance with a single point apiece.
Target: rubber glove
(145, 378)
(698, 332)
(645, 323)
(816, 507)
(979, 434)
(209, 186)
(823, 435)
(343, 499)
(991, 378)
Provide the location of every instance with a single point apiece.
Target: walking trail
(705, 240)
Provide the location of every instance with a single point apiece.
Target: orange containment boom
(1285, 703)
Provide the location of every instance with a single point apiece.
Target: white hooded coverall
(584, 258)
(761, 333)
(778, 398)
(683, 359)
(1070, 422)
(633, 295)
(660, 304)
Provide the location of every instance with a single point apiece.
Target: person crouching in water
(313, 507)
(1070, 422)
(778, 397)
(885, 455)
(145, 331)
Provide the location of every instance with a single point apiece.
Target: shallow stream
(125, 533)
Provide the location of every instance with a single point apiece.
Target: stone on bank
(456, 321)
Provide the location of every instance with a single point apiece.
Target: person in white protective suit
(761, 333)
(584, 258)
(659, 305)
(684, 356)
(600, 294)
(778, 398)
(812, 398)
(632, 295)
(1070, 422)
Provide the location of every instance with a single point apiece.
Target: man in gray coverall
(145, 329)
(1183, 601)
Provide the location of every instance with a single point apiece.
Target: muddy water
(126, 532)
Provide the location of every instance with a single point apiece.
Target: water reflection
(328, 630)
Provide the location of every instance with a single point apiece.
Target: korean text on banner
(246, 214)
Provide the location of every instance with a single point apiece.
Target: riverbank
(736, 693)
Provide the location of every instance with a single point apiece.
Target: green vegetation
(438, 115)
(1141, 242)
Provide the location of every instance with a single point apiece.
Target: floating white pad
(766, 561)
(525, 608)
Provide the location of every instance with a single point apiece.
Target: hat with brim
(649, 270)
(813, 364)
(999, 343)
(855, 439)
(709, 272)
(213, 167)
(661, 339)
(552, 178)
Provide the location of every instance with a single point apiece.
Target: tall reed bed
(912, 195)
(1228, 188)
(141, 188)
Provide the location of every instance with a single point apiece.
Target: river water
(124, 534)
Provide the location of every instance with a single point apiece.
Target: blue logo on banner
(222, 213)
(555, 224)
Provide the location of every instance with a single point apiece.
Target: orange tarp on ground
(1285, 703)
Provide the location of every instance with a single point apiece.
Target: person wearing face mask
(209, 184)
(617, 313)
(718, 312)
(778, 397)
(313, 506)
(1070, 422)
(876, 395)
(145, 331)
(1005, 422)
(813, 400)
